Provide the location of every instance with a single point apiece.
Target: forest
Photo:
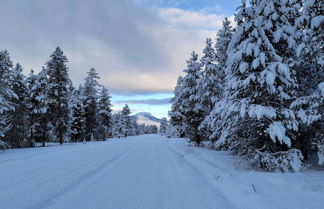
(46, 107)
(258, 90)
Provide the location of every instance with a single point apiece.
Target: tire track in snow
(108, 164)
(182, 162)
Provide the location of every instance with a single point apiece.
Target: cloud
(134, 49)
(146, 101)
(191, 19)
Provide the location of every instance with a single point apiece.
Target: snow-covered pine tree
(18, 116)
(176, 119)
(140, 129)
(309, 104)
(104, 114)
(32, 84)
(223, 38)
(58, 94)
(91, 103)
(78, 125)
(213, 121)
(118, 128)
(6, 95)
(133, 127)
(126, 120)
(260, 85)
(210, 86)
(189, 107)
(37, 106)
(163, 126)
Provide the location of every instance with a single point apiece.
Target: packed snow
(148, 171)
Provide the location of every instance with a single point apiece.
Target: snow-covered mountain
(147, 118)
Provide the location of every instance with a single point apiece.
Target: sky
(138, 47)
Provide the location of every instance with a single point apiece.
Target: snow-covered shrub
(3, 145)
(290, 160)
(320, 153)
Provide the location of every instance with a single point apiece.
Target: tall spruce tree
(309, 104)
(163, 126)
(213, 121)
(189, 107)
(78, 125)
(126, 120)
(58, 94)
(104, 114)
(224, 36)
(176, 119)
(38, 106)
(18, 116)
(118, 128)
(210, 86)
(260, 85)
(90, 94)
(209, 83)
(6, 95)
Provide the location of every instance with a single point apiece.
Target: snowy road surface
(146, 172)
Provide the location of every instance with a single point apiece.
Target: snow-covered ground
(147, 172)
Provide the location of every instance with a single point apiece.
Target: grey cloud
(133, 48)
(36, 26)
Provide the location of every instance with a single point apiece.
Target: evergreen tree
(310, 74)
(213, 122)
(260, 86)
(105, 116)
(126, 120)
(78, 125)
(37, 106)
(224, 36)
(6, 94)
(209, 87)
(91, 102)
(118, 128)
(209, 84)
(133, 127)
(189, 107)
(18, 116)
(58, 94)
(176, 118)
(163, 126)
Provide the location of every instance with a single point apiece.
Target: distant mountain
(147, 118)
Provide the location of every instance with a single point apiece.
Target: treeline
(46, 107)
(259, 90)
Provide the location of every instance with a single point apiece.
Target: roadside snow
(145, 172)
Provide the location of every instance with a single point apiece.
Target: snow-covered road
(146, 172)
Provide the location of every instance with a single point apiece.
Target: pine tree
(58, 94)
(189, 107)
(91, 102)
(213, 122)
(224, 36)
(38, 107)
(176, 119)
(105, 115)
(163, 126)
(309, 104)
(6, 95)
(260, 85)
(133, 127)
(126, 120)
(18, 116)
(210, 86)
(118, 128)
(78, 116)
